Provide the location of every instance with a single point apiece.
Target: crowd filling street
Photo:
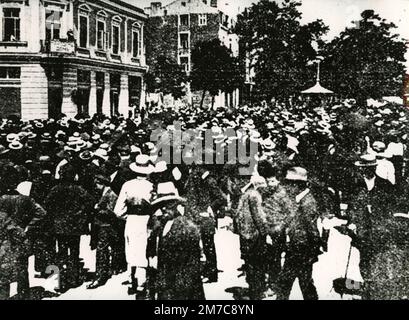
(157, 192)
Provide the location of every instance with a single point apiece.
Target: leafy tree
(167, 77)
(279, 47)
(366, 61)
(214, 68)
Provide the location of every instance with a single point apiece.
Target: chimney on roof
(156, 8)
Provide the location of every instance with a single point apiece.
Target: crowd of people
(105, 177)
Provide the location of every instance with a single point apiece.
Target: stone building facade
(183, 23)
(71, 56)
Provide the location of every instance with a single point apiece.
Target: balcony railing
(58, 46)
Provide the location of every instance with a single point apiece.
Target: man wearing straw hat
(133, 205)
(295, 200)
(178, 253)
(373, 204)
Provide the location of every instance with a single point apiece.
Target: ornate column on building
(124, 96)
(106, 101)
(125, 55)
(69, 108)
(32, 25)
(92, 104)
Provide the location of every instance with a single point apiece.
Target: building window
(115, 39)
(202, 19)
(136, 43)
(184, 20)
(83, 31)
(10, 73)
(52, 24)
(11, 24)
(184, 41)
(101, 31)
(184, 61)
(116, 35)
(101, 35)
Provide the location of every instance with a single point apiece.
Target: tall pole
(318, 71)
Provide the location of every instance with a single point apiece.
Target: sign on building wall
(62, 46)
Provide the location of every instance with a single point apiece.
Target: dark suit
(179, 262)
(70, 207)
(368, 211)
(252, 227)
(303, 248)
(21, 218)
(203, 192)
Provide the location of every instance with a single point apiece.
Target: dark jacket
(70, 207)
(179, 263)
(24, 211)
(250, 217)
(388, 268)
(381, 203)
(13, 245)
(20, 218)
(298, 219)
(202, 192)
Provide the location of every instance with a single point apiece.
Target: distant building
(183, 23)
(70, 56)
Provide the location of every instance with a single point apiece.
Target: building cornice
(118, 6)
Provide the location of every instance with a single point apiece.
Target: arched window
(116, 34)
(102, 30)
(83, 25)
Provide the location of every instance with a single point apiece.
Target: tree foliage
(167, 77)
(279, 47)
(214, 68)
(366, 61)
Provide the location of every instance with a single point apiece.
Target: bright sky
(337, 14)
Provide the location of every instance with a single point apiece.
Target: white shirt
(386, 170)
(370, 183)
(133, 191)
(395, 149)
